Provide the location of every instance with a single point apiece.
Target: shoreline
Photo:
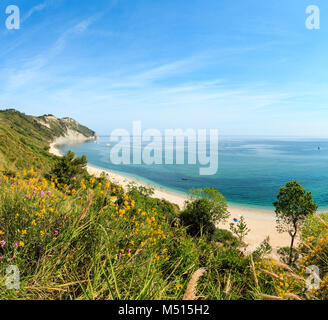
(261, 222)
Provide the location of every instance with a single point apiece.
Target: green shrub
(225, 237)
(196, 217)
(143, 200)
(204, 209)
(263, 249)
(67, 167)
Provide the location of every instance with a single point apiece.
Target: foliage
(298, 282)
(225, 237)
(23, 141)
(278, 281)
(97, 243)
(205, 208)
(68, 168)
(198, 220)
(313, 227)
(76, 236)
(263, 249)
(240, 230)
(293, 206)
(218, 203)
(144, 200)
(315, 253)
(69, 174)
(287, 256)
(102, 243)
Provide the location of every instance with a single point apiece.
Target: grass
(106, 243)
(100, 244)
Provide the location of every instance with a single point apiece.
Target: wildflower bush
(313, 227)
(102, 242)
(314, 250)
(281, 281)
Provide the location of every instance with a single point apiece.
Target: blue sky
(246, 67)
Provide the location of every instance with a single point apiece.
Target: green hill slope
(24, 139)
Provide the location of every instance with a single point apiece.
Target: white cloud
(30, 71)
(77, 29)
(37, 8)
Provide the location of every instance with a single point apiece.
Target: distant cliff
(25, 139)
(66, 128)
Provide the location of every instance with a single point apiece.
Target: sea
(250, 172)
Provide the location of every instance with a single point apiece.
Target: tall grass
(102, 242)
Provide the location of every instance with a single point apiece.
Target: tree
(240, 230)
(293, 206)
(204, 208)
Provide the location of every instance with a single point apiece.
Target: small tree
(240, 230)
(204, 209)
(293, 206)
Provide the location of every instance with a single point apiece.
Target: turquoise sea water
(251, 170)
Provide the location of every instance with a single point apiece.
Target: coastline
(261, 222)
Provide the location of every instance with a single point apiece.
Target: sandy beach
(260, 222)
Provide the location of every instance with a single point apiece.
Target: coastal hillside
(73, 235)
(24, 139)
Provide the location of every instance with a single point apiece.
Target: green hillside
(24, 139)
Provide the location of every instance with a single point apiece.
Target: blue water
(251, 170)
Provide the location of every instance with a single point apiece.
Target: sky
(245, 67)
